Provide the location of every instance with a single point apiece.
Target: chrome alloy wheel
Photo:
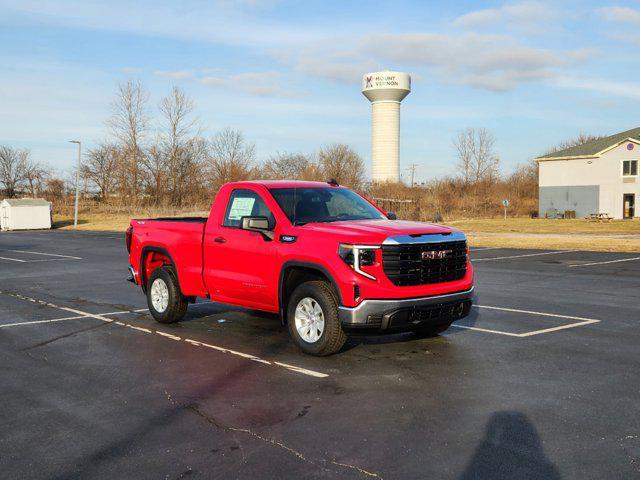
(159, 295)
(309, 320)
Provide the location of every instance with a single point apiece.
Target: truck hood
(374, 231)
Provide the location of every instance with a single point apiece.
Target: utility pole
(75, 215)
(412, 168)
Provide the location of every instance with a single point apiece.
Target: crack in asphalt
(361, 470)
(194, 408)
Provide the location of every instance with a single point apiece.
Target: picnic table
(599, 217)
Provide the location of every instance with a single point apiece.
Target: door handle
(220, 240)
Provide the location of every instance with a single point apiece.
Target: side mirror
(392, 216)
(257, 224)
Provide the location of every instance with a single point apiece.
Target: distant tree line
(173, 163)
(165, 160)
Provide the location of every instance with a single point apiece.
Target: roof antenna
(333, 182)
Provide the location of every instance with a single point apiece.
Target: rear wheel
(166, 302)
(312, 316)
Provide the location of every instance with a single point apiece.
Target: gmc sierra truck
(324, 258)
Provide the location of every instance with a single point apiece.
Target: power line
(412, 169)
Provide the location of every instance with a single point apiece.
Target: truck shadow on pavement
(213, 313)
(510, 449)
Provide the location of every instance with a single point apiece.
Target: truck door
(239, 266)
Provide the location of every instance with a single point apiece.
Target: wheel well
(152, 259)
(295, 275)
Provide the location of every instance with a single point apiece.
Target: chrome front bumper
(378, 314)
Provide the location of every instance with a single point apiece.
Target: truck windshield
(308, 205)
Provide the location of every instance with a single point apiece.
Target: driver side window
(245, 203)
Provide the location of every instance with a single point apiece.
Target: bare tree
(230, 157)
(476, 157)
(342, 163)
(478, 165)
(55, 189)
(485, 160)
(156, 172)
(35, 176)
(291, 166)
(581, 139)
(100, 167)
(130, 123)
(177, 143)
(464, 144)
(13, 167)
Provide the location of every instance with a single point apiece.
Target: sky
(287, 74)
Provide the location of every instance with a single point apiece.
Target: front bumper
(405, 314)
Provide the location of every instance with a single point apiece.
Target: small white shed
(25, 214)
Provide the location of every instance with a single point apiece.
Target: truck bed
(177, 219)
(181, 238)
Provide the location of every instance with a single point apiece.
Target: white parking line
(40, 260)
(47, 254)
(561, 327)
(582, 321)
(481, 249)
(522, 256)
(531, 312)
(603, 263)
(478, 329)
(81, 314)
(13, 259)
(78, 317)
(42, 321)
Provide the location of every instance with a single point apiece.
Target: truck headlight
(357, 256)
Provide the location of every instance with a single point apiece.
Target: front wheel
(164, 298)
(312, 316)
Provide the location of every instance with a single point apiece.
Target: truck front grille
(424, 263)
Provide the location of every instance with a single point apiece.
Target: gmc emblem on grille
(435, 254)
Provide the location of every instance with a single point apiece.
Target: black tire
(426, 331)
(333, 337)
(177, 303)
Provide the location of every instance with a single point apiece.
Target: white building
(25, 214)
(600, 176)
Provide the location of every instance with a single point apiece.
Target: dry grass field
(579, 234)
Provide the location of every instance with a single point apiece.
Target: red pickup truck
(326, 259)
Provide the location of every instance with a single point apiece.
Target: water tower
(385, 90)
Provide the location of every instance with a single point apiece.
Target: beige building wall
(605, 171)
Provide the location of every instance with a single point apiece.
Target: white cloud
(205, 21)
(523, 15)
(345, 64)
(480, 60)
(131, 70)
(490, 62)
(174, 75)
(601, 86)
(621, 15)
(262, 84)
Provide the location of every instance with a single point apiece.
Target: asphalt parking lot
(541, 381)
